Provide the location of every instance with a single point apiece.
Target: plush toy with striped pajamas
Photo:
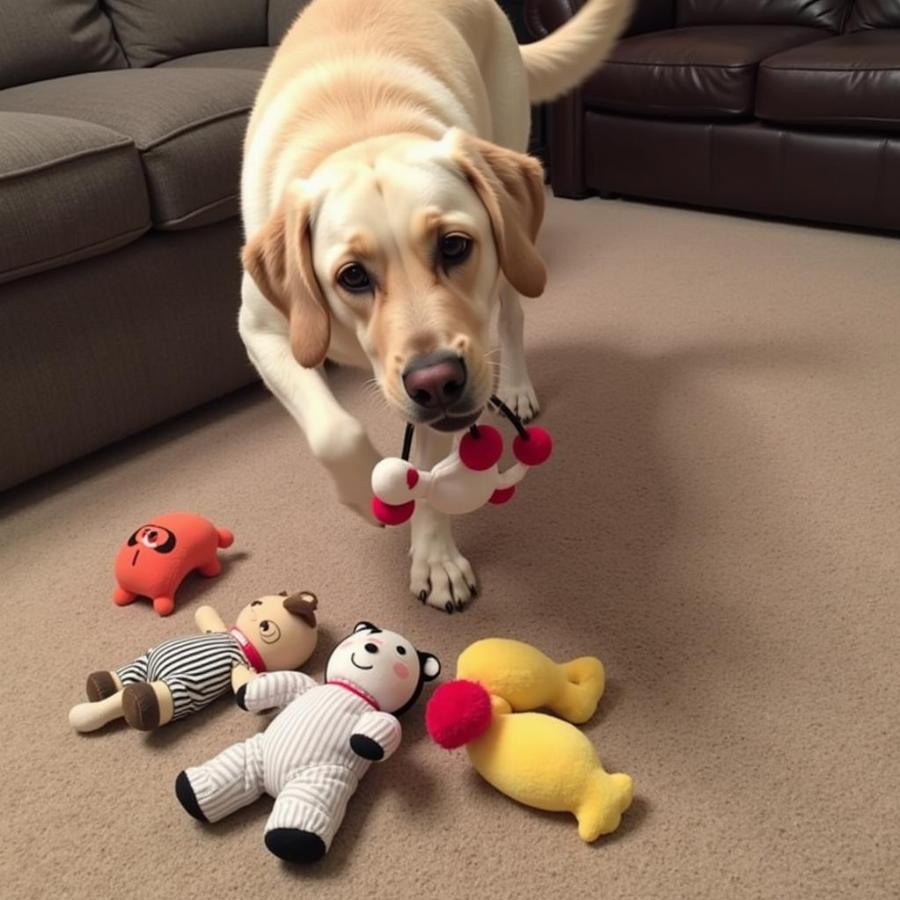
(313, 754)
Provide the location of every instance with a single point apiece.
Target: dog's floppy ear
(511, 187)
(278, 258)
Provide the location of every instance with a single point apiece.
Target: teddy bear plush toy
(182, 675)
(313, 754)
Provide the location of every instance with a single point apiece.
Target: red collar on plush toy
(349, 686)
(252, 654)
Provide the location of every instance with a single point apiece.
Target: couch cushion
(68, 190)
(152, 31)
(48, 38)
(851, 81)
(828, 14)
(874, 14)
(187, 123)
(255, 58)
(703, 71)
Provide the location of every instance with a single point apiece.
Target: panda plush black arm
(377, 736)
(272, 690)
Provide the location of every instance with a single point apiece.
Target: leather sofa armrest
(544, 16)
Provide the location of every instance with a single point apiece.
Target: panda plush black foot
(187, 798)
(294, 845)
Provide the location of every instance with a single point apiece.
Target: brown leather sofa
(778, 107)
(121, 125)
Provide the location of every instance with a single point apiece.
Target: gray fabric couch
(121, 123)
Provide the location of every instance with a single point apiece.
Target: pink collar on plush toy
(248, 649)
(349, 686)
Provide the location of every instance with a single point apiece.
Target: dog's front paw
(348, 455)
(440, 575)
(520, 398)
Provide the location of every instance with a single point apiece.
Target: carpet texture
(719, 524)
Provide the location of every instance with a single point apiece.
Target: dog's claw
(441, 577)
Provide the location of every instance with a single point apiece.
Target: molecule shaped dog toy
(462, 482)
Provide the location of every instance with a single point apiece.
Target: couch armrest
(544, 16)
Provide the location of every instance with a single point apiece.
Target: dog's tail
(566, 57)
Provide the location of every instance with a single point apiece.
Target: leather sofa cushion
(152, 31)
(187, 123)
(68, 190)
(851, 81)
(874, 14)
(48, 38)
(697, 72)
(254, 58)
(828, 14)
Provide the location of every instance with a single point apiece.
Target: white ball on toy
(393, 480)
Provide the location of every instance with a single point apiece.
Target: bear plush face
(383, 665)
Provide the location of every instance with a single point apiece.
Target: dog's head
(404, 241)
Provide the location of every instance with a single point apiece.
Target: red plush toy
(154, 560)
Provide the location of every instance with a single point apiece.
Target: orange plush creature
(154, 560)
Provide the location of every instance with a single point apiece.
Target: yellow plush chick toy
(533, 758)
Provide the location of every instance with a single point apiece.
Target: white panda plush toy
(313, 754)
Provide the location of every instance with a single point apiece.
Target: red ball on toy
(458, 712)
(502, 495)
(390, 514)
(482, 449)
(536, 449)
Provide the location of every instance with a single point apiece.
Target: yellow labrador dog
(391, 216)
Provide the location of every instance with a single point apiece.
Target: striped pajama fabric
(303, 759)
(196, 669)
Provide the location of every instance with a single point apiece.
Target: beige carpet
(719, 525)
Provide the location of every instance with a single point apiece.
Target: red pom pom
(502, 495)
(458, 712)
(389, 514)
(536, 449)
(482, 452)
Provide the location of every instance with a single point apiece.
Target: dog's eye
(401, 650)
(354, 278)
(454, 248)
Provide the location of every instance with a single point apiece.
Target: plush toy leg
(607, 797)
(226, 783)
(121, 597)
(101, 685)
(85, 717)
(211, 569)
(164, 605)
(308, 811)
(147, 706)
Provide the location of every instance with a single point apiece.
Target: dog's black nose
(435, 381)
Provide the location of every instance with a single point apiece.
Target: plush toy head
(383, 665)
(282, 629)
